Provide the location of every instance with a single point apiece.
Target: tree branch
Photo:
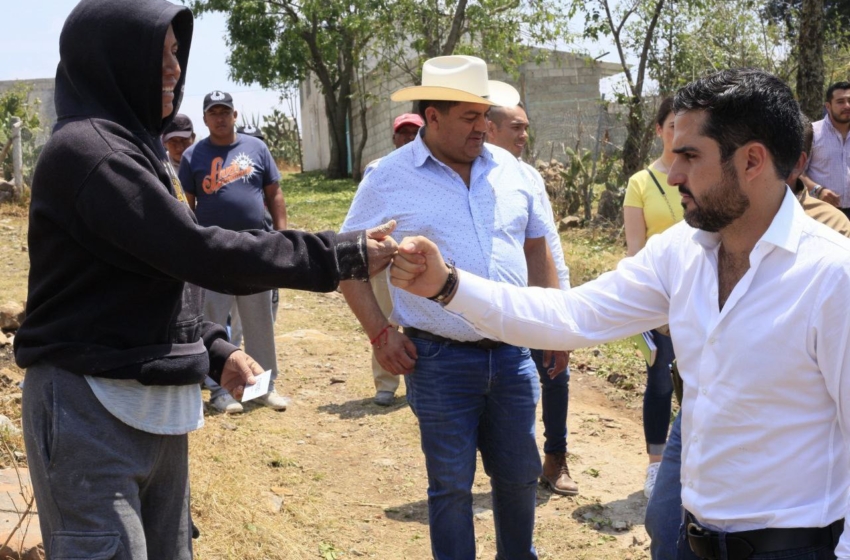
(454, 34)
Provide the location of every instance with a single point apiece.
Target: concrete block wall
(561, 95)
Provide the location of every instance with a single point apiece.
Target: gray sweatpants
(255, 311)
(103, 489)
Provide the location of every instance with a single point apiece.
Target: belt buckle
(701, 542)
(695, 530)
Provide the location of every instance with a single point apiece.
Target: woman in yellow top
(650, 207)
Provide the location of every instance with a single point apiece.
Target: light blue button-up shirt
(482, 228)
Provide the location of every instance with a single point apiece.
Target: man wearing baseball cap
(405, 128)
(230, 179)
(468, 393)
(176, 137)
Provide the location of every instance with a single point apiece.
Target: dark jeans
(103, 489)
(469, 399)
(664, 509)
(657, 399)
(555, 396)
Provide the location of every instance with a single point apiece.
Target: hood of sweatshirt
(111, 63)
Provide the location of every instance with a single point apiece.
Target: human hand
(239, 370)
(419, 267)
(561, 360)
(380, 247)
(828, 196)
(395, 352)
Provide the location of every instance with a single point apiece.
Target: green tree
(502, 32)
(607, 18)
(278, 43)
(810, 70)
(700, 37)
(15, 102)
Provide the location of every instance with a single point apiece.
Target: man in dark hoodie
(114, 342)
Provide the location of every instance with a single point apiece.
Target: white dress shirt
(552, 237)
(483, 228)
(766, 379)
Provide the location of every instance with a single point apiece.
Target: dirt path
(338, 477)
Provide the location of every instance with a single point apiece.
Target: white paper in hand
(258, 389)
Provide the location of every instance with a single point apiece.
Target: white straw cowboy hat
(458, 78)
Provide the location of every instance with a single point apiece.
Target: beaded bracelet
(449, 286)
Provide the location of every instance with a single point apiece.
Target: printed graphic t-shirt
(228, 181)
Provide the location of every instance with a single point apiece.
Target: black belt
(742, 544)
(483, 344)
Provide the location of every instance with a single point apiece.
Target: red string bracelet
(380, 334)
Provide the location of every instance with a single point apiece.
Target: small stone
(274, 503)
(570, 222)
(229, 426)
(620, 526)
(11, 315)
(482, 514)
(8, 426)
(4, 341)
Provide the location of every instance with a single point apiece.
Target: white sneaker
(274, 401)
(223, 402)
(651, 475)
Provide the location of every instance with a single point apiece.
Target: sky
(29, 49)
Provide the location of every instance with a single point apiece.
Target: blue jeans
(466, 399)
(664, 510)
(658, 394)
(555, 394)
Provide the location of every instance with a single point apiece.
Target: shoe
(556, 475)
(384, 398)
(274, 401)
(223, 402)
(651, 475)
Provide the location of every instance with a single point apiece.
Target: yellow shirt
(643, 193)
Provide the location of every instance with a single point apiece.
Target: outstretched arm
(618, 304)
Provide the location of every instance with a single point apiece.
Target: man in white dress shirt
(756, 294)
(508, 129)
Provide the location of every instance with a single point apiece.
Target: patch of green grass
(314, 203)
(592, 251)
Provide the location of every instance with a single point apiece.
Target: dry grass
(13, 253)
(336, 477)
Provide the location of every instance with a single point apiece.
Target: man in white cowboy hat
(468, 393)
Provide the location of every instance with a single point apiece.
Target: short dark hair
(497, 113)
(837, 85)
(745, 105)
(664, 110)
(442, 106)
